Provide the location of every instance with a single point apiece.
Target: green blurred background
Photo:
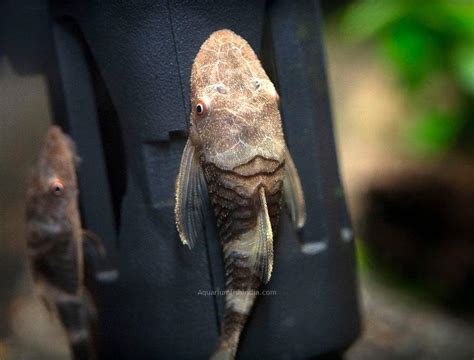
(401, 75)
(402, 82)
(428, 47)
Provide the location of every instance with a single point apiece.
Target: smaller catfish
(54, 240)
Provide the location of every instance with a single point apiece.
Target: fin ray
(191, 197)
(95, 241)
(261, 257)
(293, 193)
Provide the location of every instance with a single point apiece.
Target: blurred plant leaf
(463, 60)
(458, 16)
(364, 19)
(423, 41)
(412, 49)
(433, 133)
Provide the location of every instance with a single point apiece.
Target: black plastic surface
(119, 75)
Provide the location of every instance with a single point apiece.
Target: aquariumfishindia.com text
(236, 292)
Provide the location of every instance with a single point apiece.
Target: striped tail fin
(238, 306)
(248, 264)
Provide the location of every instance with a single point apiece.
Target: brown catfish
(236, 154)
(54, 239)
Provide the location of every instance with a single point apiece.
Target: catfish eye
(56, 187)
(201, 108)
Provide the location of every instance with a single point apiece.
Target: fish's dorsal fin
(261, 256)
(191, 197)
(293, 192)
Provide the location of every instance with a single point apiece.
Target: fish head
(235, 113)
(53, 183)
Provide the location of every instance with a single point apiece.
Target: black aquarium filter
(119, 74)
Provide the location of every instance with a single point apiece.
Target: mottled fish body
(237, 158)
(54, 239)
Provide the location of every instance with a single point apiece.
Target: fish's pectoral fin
(293, 192)
(95, 259)
(261, 256)
(191, 197)
(95, 241)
